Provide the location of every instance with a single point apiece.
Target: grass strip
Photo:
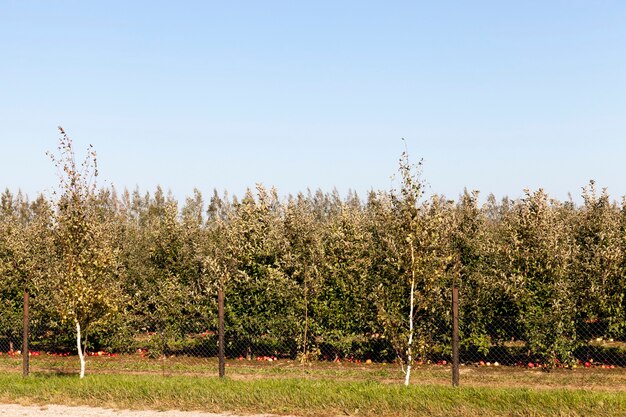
(303, 397)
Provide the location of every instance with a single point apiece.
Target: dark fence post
(25, 334)
(220, 330)
(163, 349)
(455, 336)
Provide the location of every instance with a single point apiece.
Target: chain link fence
(506, 343)
(502, 348)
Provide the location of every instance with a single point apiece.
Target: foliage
(314, 275)
(81, 282)
(24, 250)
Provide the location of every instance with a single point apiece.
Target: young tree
(419, 248)
(83, 285)
(13, 268)
(302, 261)
(344, 308)
(484, 302)
(261, 296)
(599, 264)
(537, 269)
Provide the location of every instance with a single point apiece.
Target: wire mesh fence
(508, 343)
(499, 349)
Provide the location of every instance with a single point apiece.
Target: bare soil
(16, 410)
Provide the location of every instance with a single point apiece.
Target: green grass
(206, 367)
(595, 379)
(303, 397)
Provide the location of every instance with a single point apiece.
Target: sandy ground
(14, 410)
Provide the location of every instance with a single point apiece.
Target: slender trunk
(81, 355)
(410, 342)
(25, 334)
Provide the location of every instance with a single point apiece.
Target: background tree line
(314, 275)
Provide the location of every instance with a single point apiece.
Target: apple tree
(536, 267)
(302, 261)
(82, 284)
(413, 238)
(600, 259)
(24, 250)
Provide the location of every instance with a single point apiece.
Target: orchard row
(315, 274)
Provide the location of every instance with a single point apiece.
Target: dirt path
(14, 410)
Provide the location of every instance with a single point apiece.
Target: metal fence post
(455, 336)
(25, 334)
(220, 330)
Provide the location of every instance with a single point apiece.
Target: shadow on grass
(54, 373)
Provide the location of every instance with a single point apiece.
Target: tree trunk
(81, 355)
(410, 342)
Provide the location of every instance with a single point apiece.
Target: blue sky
(493, 95)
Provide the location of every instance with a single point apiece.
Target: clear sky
(493, 95)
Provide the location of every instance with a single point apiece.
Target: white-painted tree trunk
(409, 351)
(80, 350)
